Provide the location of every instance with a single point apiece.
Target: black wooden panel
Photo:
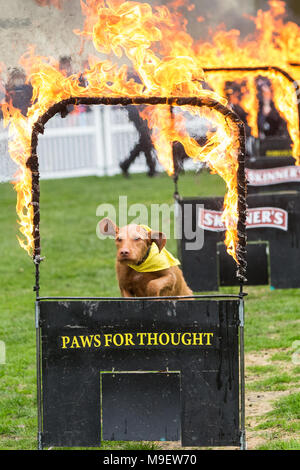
(200, 267)
(209, 370)
(275, 147)
(71, 410)
(141, 406)
(269, 162)
(257, 265)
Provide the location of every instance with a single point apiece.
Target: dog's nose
(124, 252)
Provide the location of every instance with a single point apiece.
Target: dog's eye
(137, 238)
(118, 239)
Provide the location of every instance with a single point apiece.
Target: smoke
(205, 16)
(56, 3)
(235, 13)
(227, 11)
(230, 13)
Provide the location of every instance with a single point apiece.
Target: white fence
(86, 143)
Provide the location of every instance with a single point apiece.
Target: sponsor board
(258, 217)
(273, 222)
(269, 176)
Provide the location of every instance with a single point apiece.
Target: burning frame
(33, 163)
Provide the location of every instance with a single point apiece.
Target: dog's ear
(108, 227)
(159, 238)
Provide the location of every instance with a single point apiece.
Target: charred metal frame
(33, 165)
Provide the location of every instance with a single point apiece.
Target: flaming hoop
(33, 164)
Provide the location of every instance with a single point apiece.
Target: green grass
(275, 382)
(282, 356)
(262, 369)
(77, 263)
(284, 417)
(290, 444)
(288, 407)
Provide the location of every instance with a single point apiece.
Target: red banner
(266, 176)
(270, 217)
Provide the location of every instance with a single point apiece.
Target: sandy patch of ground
(258, 404)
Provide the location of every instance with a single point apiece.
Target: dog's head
(132, 241)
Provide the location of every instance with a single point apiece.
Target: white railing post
(99, 141)
(107, 134)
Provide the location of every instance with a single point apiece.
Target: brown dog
(144, 267)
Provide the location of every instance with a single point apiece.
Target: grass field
(78, 263)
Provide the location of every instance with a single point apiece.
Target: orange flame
(274, 44)
(168, 63)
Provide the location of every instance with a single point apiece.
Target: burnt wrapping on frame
(33, 165)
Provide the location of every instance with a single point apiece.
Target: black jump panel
(140, 370)
(273, 234)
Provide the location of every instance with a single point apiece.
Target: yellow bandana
(155, 261)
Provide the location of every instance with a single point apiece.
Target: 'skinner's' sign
(269, 217)
(269, 176)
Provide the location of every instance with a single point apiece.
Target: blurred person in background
(144, 144)
(2, 95)
(17, 91)
(270, 123)
(65, 66)
(233, 92)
